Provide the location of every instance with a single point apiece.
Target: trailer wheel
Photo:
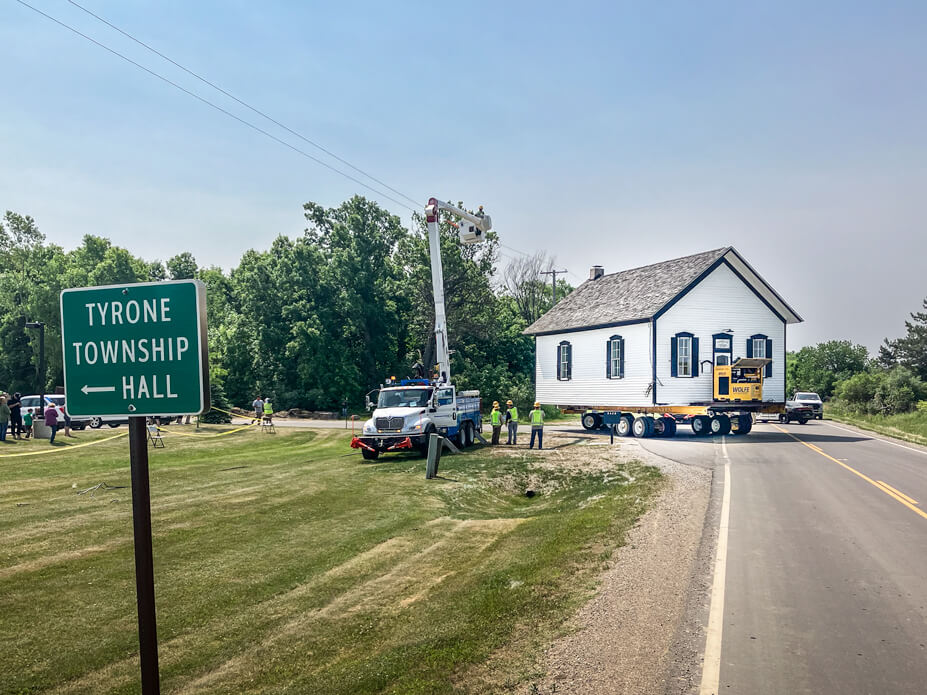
(744, 424)
(784, 418)
(623, 427)
(700, 425)
(669, 426)
(642, 426)
(659, 427)
(591, 421)
(370, 455)
(720, 424)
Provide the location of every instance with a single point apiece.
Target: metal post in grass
(144, 557)
(435, 445)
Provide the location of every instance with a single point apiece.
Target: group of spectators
(20, 424)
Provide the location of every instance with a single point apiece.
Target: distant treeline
(892, 383)
(309, 322)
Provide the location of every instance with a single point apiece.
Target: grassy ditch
(283, 564)
(911, 427)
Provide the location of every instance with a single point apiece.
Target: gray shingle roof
(625, 296)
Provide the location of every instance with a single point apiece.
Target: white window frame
(759, 346)
(614, 355)
(684, 340)
(565, 362)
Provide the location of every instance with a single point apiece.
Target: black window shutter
(569, 361)
(749, 347)
(696, 367)
(769, 355)
(674, 358)
(608, 359)
(559, 375)
(621, 358)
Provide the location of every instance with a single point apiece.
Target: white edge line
(872, 435)
(711, 665)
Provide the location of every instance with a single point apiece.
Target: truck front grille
(389, 423)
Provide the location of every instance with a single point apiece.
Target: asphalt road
(823, 552)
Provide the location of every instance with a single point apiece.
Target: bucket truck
(407, 411)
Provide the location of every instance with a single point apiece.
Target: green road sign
(135, 349)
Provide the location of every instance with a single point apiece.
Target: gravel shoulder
(626, 638)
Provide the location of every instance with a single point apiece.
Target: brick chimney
(596, 272)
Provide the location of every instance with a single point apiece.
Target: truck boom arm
(437, 275)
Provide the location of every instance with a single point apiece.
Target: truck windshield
(404, 398)
(808, 397)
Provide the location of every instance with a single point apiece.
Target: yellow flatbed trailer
(737, 399)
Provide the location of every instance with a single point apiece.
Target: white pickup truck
(408, 411)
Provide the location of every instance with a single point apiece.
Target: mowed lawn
(283, 564)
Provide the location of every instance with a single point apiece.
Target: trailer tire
(784, 418)
(642, 426)
(591, 421)
(700, 425)
(669, 426)
(720, 425)
(370, 455)
(744, 424)
(623, 426)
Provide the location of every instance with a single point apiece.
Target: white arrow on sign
(97, 389)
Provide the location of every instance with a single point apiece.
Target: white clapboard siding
(589, 385)
(721, 301)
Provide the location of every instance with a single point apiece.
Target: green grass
(283, 564)
(911, 427)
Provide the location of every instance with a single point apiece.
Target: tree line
(311, 321)
(891, 383)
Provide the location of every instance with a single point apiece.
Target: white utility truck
(407, 411)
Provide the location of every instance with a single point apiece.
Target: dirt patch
(620, 641)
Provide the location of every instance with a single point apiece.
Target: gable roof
(639, 294)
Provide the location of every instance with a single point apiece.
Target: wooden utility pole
(554, 274)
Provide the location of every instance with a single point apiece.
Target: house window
(614, 357)
(684, 356)
(564, 361)
(759, 347)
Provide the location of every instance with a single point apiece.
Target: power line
(217, 107)
(243, 103)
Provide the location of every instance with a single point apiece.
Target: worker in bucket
(511, 421)
(536, 418)
(495, 419)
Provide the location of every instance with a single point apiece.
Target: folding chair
(154, 437)
(267, 425)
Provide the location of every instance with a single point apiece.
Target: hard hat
(509, 402)
(537, 404)
(495, 404)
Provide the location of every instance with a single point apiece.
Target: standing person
(51, 420)
(4, 418)
(258, 406)
(27, 423)
(16, 418)
(511, 420)
(495, 419)
(268, 409)
(536, 418)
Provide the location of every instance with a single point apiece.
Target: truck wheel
(423, 447)
(642, 427)
(802, 421)
(720, 425)
(370, 455)
(744, 424)
(590, 421)
(96, 423)
(623, 428)
(784, 418)
(700, 425)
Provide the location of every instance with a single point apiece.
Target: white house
(651, 335)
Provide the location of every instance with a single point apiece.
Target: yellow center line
(897, 492)
(893, 494)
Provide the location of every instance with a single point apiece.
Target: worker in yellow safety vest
(511, 421)
(495, 419)
(268, 410)
(536, 417)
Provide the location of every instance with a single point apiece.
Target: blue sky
(612, 133)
